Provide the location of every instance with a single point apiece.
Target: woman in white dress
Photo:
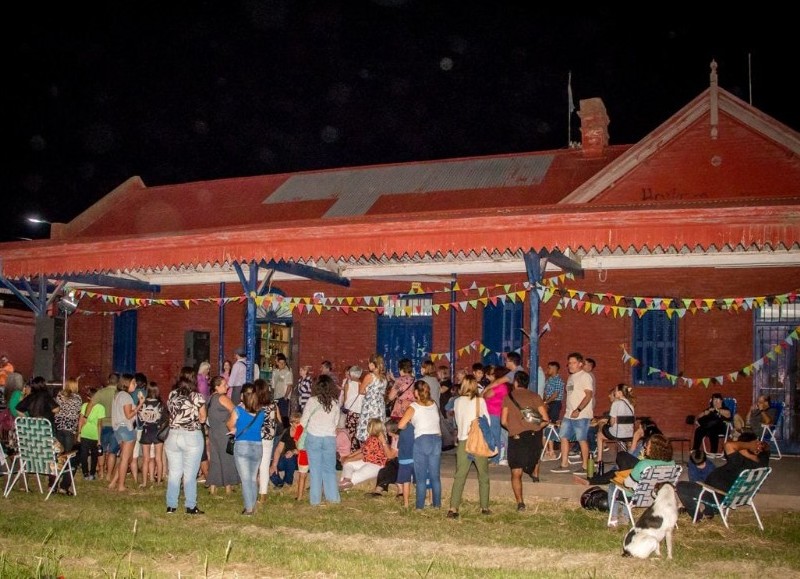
(373, 387)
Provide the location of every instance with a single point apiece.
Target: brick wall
(710, 343)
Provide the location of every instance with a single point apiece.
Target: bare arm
(276, 456)
(231, 422)
(587, 397)
(409, 414)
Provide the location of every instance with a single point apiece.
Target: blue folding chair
(770, 432)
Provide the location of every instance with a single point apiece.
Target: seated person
(388, 474)
(620, 418)
(657, 452)
(712, 423)
(700, 466)
(644, 428)
(760, 414)
(286, 455)
(365, 463)
(746, 453)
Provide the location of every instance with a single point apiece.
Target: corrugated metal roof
(357, 190)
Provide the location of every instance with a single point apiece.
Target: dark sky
(187, 91)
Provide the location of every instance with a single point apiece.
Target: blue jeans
(321, 452)
(494, 425)
(184, 449)
(288, 466)
(247, 456)
(427, 463)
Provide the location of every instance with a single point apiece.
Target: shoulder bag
(476, 441)
(301, 442)
(530, 415)
(232, 438)
(163, 428)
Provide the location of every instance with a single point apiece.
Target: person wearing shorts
(578, 413)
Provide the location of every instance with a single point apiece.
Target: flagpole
(570, 109)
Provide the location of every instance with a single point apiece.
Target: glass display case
(275, 338)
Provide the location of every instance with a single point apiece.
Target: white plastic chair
(741, 493)
(644, 492)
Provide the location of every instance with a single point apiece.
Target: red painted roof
(683, 186)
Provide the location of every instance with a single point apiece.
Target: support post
(534, 268)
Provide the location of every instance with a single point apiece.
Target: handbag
(163, 428)
(477, 444)
(530, 415)
(232, 437)
(301, 442)
(346, 409)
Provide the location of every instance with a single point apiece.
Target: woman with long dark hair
(320, 419)
(184, 445)
(221, 466)
(246, 421)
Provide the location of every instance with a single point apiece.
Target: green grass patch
(100, 533)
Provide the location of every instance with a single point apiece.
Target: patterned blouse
(70, 410)
(404, 387)
(270, 426)
(372, 449)
(184, 411)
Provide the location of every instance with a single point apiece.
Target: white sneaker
(503, 462)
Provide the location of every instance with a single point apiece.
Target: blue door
(778, 375)
(125, 342)
(404, 337)
(502, 325)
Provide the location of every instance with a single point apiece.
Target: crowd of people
(331, 433)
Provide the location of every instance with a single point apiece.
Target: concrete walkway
(781, 490)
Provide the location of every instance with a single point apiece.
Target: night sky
(187, 91)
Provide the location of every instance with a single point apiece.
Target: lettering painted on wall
(649, 194)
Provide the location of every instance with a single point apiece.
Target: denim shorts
(576, 429)
(124, 434)
(108, 441)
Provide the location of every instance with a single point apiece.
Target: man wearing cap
(238, 376)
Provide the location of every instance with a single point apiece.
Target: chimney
(594, 127)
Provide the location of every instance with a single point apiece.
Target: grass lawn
(100, 533)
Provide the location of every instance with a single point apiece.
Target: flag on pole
(570, 102)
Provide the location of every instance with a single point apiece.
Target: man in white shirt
(579, 411)
(282, 380)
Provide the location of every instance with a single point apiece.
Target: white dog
(655, 525)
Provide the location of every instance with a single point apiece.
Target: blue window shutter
(404, 337)
(125, 342)
(501, 330)
(655, 345)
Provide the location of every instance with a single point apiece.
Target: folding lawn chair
(730, 404)
(551, 435)
(37, 456)
(769, 432)
(644, 491)
(741, 493)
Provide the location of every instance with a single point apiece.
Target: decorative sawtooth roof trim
(564, 228)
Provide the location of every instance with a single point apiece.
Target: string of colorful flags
(754, 366)
(577, 300)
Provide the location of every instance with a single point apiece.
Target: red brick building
(682, 253)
